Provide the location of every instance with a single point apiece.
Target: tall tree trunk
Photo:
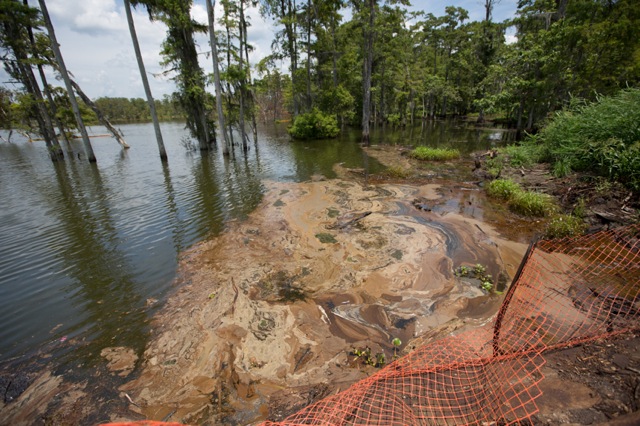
(243, 133)
(145, 81)
(308, 55)
(519, 116)
(47, 92)
(290, 28)
(334, 59)
(366, 78)
(67, 82)
(216, 76)
(229, 103)
(250, 92)
(42, 116)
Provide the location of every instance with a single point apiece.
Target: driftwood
(116, 134)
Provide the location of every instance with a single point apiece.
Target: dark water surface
(84, 249)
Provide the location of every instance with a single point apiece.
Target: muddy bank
(277, 302)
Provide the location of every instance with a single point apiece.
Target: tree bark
(67, 82)
(47, 93)
(250, 92)
(243, 134)
(216, 76)
(145, 81)
(366, 78)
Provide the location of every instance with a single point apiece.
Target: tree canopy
(388, 63)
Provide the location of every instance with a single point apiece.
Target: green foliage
(523, 155)
(523, 202)
(503, 189)
(603, 137)
(366, 358)
(397, 172)
(426, 153)
(563, 226)
(314, 125)
(478, 272)
(529, 203)
(123, 110)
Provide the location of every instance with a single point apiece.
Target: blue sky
(95, 41)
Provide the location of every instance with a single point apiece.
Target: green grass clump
(426, 153)
(526, 203)
(563, 226)
(502, 188)
(529, 203)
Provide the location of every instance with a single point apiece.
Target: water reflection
(173, 216)
(458, 134)
(102, 285)
(82, 247)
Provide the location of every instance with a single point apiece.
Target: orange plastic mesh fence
(566, 292)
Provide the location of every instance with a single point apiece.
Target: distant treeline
(119, 110)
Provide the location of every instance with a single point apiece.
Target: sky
(96, 45)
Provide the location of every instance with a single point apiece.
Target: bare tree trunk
(145, 81)
(216, 76)
(368, 65)
(67, 82)
(250, 93)
(291, 31)
(116, 134)
(47, 92)
(308, 55)
(243, 135)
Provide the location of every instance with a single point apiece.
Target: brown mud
(267, 316)
(280, 300)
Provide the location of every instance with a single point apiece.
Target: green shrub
(563, 226)
(602, 137)
(528, 203)
(425, 153)
(502, 188)
(314, 125)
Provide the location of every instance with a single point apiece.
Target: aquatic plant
(526, 203)
(426, 153)
(502, 188)
(365, 357)
(529, 203)
(397, 172)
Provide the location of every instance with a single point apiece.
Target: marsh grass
(563, 226)
(526, 203)
(529, 203)
(397, 172)
(502, 188)
(426, 153)
(523, 155)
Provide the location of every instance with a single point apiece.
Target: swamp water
(88, 253)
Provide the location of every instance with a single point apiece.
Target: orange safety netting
(566, 292)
